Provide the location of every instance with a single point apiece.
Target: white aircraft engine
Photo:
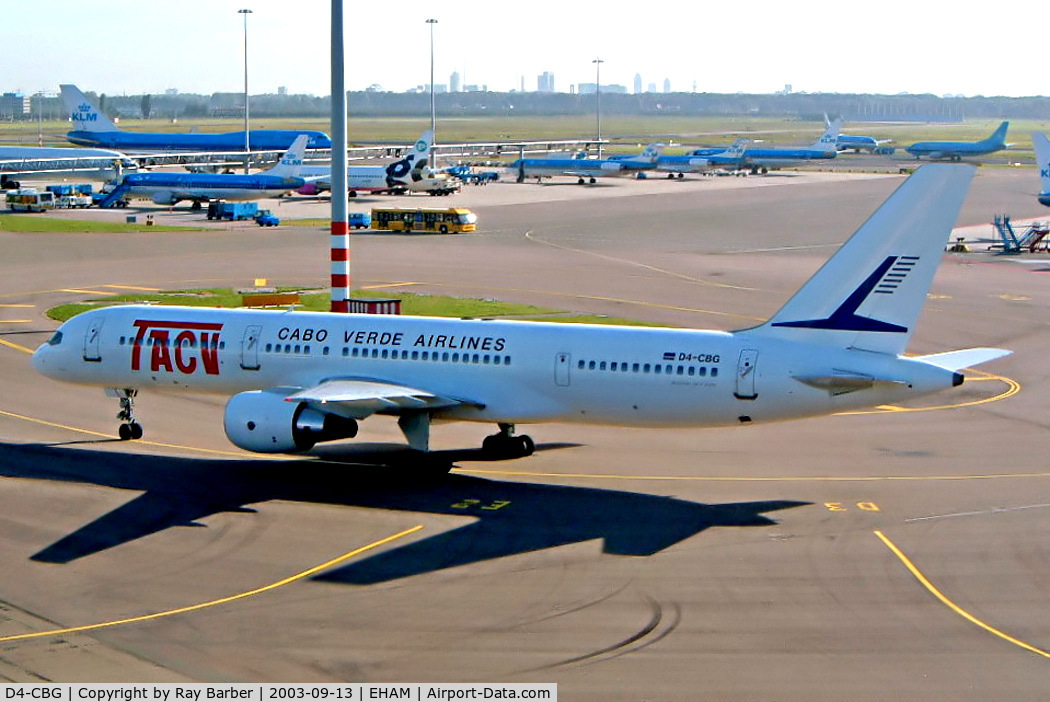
(164, 198)
(263, 422)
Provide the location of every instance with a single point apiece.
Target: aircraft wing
(358, 398)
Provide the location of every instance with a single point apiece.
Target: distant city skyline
(133, 47)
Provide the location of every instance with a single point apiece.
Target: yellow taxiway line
(222, 600)
(951, 605)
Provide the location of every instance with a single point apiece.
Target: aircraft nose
(40, 359)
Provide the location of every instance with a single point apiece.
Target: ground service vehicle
(265, 218)
(30, 200)
(401, 219)
(220, 209)
(360, 220)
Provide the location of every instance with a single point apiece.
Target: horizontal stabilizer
(964, 358)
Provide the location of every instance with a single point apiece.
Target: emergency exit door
(745, 375)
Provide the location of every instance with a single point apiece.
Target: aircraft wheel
(528, 446)
(196, 205)
(124, 432)
(136, 430)
(581, 181)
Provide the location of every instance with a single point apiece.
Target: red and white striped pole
(340, 236)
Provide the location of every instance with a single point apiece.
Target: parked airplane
(955, 150)
(585, 169)
(95, 129)
(645, 161)
(170, 188)
(761, 160)
(299, 378)
(33, 161)
(859, 143)
(405, 174)
(701, 160)
(1042, 162)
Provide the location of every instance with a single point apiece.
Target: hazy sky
(136, 46)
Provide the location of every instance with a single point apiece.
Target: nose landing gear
(129, 430)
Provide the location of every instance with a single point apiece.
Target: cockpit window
(55, 339)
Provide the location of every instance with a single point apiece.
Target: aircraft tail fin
(292, 160)
(651, 152)
(828, 141)
(998, 137)
(82, 111)
(869, 294)
(402, 172)
(1042, 160)
(737, 148)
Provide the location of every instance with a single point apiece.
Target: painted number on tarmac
(477, 504)
(842, 507)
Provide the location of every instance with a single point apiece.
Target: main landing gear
(130, 429)
(506, 445)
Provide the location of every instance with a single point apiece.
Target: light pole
(247, 141)
(598, 94)
(433, 114)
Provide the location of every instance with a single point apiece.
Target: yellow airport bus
(403, 219)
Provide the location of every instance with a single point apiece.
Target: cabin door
(561, 369)
(92, 337)
(250, 347)
(745, 375)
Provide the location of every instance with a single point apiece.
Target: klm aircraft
(1042, 162)
(701, 160)
(763, 160)
(92, 128)
(955, 150)
(645, 161)
(170, 188)
(585, 169)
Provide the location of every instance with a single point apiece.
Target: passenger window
(601, 366)
(645, 368)
(714, 372)
(580, 365)
(658, 369)
(591, 365)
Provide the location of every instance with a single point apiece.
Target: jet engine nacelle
(611, 166)
(164, 198)
(263, 422)
(308, 189)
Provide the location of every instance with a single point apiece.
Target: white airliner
(404, 174)
(298, 378)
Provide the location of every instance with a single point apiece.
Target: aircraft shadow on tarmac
(510, 517)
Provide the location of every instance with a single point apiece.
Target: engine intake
(263, 422)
